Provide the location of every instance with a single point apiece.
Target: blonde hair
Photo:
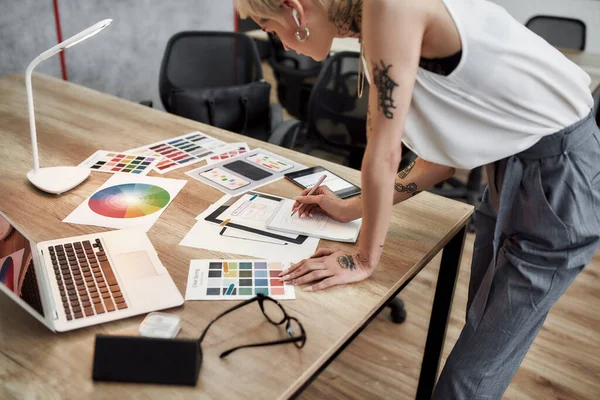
(265, 9)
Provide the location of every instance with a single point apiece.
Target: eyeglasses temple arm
(252, 300)
(273, 343)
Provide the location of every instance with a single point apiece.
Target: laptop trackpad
(135, 265)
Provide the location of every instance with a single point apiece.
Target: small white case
(160, 325)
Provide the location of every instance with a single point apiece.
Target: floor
(384, 360)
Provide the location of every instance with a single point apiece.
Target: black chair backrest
(336, 115)
(202, 60)
(216, 78)
(565, 33)
(296, 75)
(596, 96)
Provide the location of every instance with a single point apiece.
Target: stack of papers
(319, 225)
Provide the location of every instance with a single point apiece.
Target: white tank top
(509, 90)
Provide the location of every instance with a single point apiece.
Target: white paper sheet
(231, 150)
(210, 236)
(127, 202)
(115, 162)
(181, 151)
(254, 159)
(319, 225)
(237, 280)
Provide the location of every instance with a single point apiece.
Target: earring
(300, 38)
(306, 31)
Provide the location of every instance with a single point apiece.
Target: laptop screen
(17, 273)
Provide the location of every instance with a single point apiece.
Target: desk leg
(442, 305)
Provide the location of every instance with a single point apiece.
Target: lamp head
(73, 40)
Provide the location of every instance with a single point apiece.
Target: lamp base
(57, 180)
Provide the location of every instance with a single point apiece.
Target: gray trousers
(536, 229)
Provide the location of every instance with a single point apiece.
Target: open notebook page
(319, 225)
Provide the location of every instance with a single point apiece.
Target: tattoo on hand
(410, 188)
(346, 15)
(347, 262)
(404, 173)
(385, 88)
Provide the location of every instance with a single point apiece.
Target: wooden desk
(72, 123)
(338, 45)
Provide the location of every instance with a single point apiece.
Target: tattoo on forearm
(346, 15)
(410, 188)
(363, 259)
(347, 262)
(404, 173)
(385, 88)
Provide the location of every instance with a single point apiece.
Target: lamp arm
(34, 147)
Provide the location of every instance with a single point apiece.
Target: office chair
(296, 75)
(564, 33)
(216, 78)
(596, 96)
(248, 24)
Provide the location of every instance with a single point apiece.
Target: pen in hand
(295, 207)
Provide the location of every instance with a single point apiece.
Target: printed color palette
(232, 151)
(225, 179)
(131, 200)
(236, 280)
(180, 151)
(122, 163)
(269, 162)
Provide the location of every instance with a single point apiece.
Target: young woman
(463, 84)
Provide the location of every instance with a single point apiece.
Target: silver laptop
(84, 280)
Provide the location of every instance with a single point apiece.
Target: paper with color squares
(126, 201)
(237, 280)
(120, 163)
(180, 151)
(227, 152)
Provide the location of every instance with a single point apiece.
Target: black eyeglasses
(275, 314)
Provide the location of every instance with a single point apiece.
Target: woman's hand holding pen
(324, 201)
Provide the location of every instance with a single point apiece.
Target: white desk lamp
(55, 179)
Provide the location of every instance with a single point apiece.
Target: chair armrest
(286, 133)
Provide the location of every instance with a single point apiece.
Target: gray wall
(124, 59)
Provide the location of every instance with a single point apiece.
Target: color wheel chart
(127, 202)
(236, 280)
(130, 200)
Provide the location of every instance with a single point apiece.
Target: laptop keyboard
(86, 280)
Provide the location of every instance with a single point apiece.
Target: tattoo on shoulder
(347, 262)
(385, 88)
(369, 126)
(410, 188)
(404, 173)
(346, 15)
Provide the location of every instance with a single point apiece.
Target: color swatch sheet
(245, 233)
(229, 151)
(237, 280)
(245, 172)
(126, 201)
(180, 151)
(120, 163)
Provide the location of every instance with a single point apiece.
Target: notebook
(319, 225)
